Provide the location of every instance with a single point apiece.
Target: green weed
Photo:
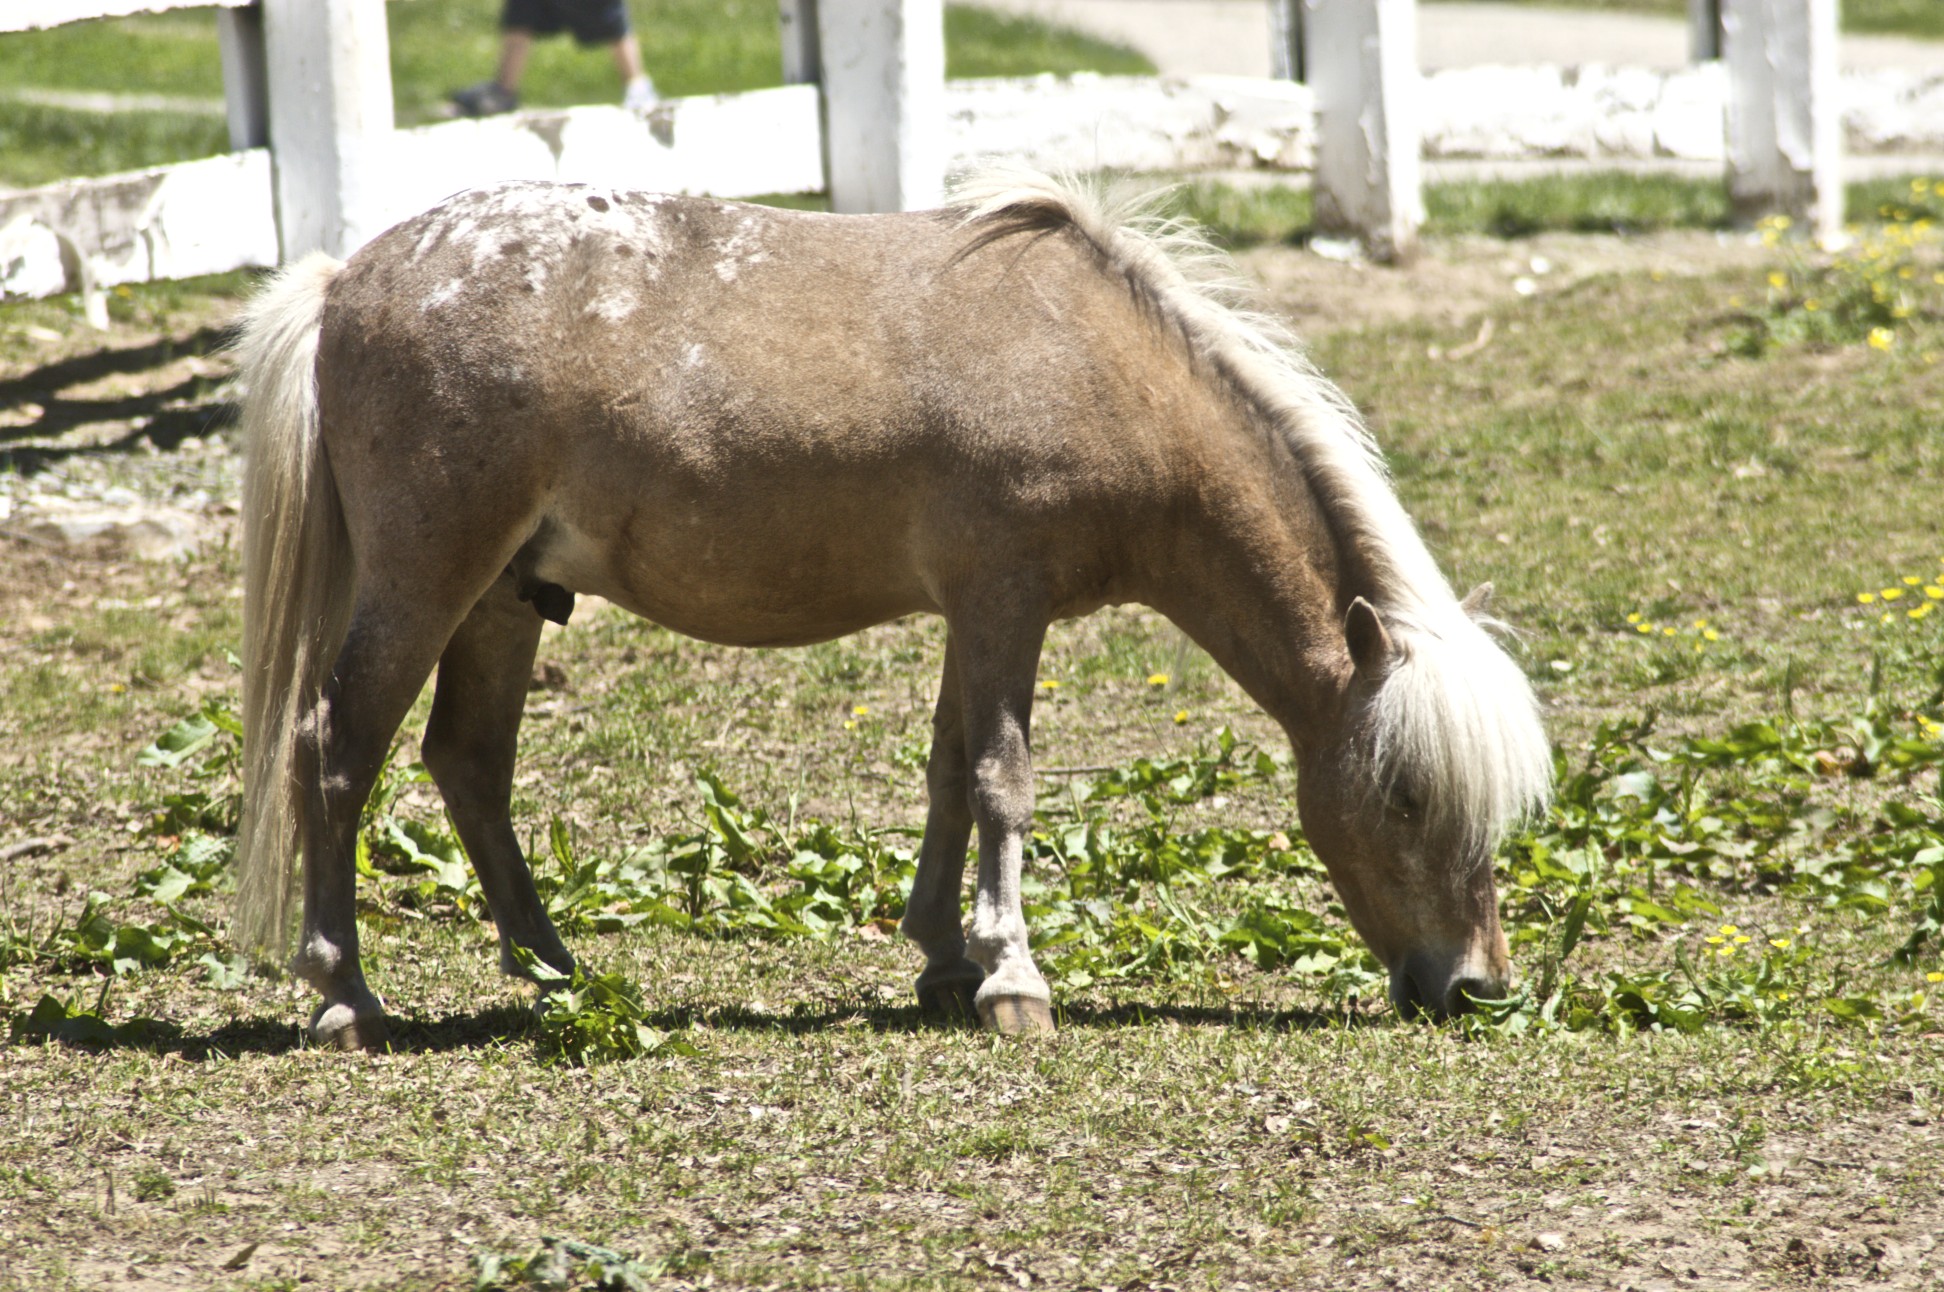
(585, 1020)
(1864, 293)
(567, 1265)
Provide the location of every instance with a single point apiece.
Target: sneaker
(640, 95)
(487, 99)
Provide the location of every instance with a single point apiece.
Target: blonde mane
(1456, 720)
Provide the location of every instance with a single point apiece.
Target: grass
(690, 47)
(1200, 1122)
(1603, 202)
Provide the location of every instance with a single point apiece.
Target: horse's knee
(466, 770)
(444, 757)
(1002, 792)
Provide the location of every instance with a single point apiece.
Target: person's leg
(606, 22)
(515, 44)
(627, 59)
(637, 90)
(521, 22)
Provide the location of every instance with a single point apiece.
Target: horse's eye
(1402, 803)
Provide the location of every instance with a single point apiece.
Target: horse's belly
(735, 582)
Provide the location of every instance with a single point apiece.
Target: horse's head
(1432, 746)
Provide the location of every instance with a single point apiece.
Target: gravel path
(1231, 37)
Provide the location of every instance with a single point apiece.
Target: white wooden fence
(866, 116)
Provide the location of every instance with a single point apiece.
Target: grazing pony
(769, 428)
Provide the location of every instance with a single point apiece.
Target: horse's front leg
(997, 667)
(933, 918)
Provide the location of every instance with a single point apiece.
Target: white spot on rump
(536, 225)
(742, 248)
(613, 305)
(442, 295)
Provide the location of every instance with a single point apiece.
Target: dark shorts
(593, 22)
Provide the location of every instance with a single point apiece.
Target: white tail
(297, 589)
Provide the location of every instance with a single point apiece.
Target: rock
(148, 532)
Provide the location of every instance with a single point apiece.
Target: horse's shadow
(494, 1026)
(158, 418)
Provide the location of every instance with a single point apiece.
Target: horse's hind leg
(386, 656)
(933, 918)
(469, 748)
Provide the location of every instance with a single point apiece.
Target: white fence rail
(310, 78)
(35, 15)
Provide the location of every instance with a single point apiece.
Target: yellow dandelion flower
(1643, 628)
(1918, 612)
(1726, 952)
(1157, 679)
(1710, 634)
(1634, 618)
(1780, 944)
(1181, 716)
(1934, 592)
(1865, 598)
(1050, 685)
(1934, 976)
(1716, 941)
(1778, 280)
(1882, 338)
(1912, 580)
(849, 724)
(1730, 929)
(1812, 305)
(1670, 632)
(1891, 594)
(1700, 624)
(1742, 938)
(860, 709)
(1781, 221)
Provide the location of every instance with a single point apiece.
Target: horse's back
(684, 396)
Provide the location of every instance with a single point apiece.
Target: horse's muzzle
(1419, 989)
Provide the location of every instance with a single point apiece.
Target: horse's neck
(1255, 577)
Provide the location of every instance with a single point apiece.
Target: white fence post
(1362, 57)
(884, 103)
(1704, 30)
(1287, 57)
(246, 91)
(1785, 127)
(797, 24)
(330, 102)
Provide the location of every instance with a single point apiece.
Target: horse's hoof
(339, 1027)
(953, 999)
(1016, 1015)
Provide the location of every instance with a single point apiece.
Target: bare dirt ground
(1164, 1141)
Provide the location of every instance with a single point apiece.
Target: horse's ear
(1371, 648)
(1477, 601)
